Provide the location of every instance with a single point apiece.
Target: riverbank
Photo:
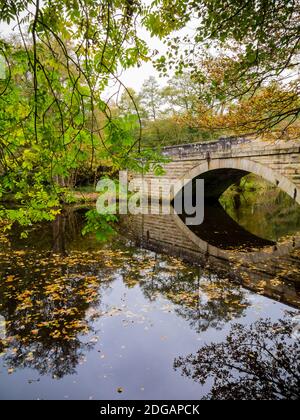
(83, 196)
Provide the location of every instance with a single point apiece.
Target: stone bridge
(272, 270)
(226, 161)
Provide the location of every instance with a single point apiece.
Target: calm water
(126, 319)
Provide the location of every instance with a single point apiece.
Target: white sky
(135, 77)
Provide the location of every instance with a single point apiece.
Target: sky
(135, 76)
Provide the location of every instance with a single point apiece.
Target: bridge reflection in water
(226, 249)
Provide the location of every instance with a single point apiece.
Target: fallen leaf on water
(29, 356)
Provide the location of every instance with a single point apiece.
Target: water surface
(125, 319)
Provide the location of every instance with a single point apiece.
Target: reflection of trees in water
(47, 298)
(203, 299)
(56, 236)
(49, 302)
(48, 307)
(59, 232)
(48, 355)
(256, 362)
(219, 302)
(267, 212)
(66, 228)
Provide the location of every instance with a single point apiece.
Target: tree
(54, 117)
(269, 113)
(129, 103)
(256, 42)
(151, 98)
(181, 94)
(57, 119)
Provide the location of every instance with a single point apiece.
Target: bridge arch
(263, 254)
(234, 169)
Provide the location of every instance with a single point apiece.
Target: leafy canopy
(236, 49)
(54, 115)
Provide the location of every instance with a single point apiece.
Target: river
(159, 310)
